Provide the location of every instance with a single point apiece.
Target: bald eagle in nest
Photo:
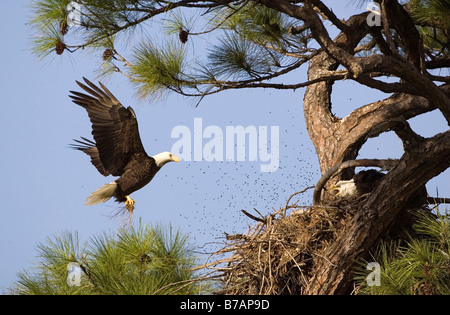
(117, 149)
(362, 183)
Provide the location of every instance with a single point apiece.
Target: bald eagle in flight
(362, 183)
(117, 149)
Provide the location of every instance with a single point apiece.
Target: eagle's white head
(345, 188)
(165, 157)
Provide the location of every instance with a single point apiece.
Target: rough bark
(398, 193)
(339, 139)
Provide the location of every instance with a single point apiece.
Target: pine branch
(155, 69)
(140, 260)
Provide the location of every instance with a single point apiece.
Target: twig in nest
(437, 200)
(294, 194)
(232, 237)
(251, 216)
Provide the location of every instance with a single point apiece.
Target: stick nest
(279, 253)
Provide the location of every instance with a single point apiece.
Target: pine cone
(107, 54)
(63, 27)
(275, 27)
(60, 47)
(183, 35)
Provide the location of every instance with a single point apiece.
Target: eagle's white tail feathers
(102, 194)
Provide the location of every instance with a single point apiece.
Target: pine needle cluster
(157, 70)
(139, 260)
(251, 43)
(419, 267)
(433, 22)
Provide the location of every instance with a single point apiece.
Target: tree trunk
(398, 192)
(337, 140)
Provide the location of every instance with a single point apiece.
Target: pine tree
(266, 44)
(137, 260)
(419, 267)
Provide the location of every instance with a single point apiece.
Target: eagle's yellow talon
(129, 204)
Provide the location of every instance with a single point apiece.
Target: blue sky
(44, 183)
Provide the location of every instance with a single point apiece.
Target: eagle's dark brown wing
(114, 127)
(89, 147)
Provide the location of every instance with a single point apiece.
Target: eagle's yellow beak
(175, 158)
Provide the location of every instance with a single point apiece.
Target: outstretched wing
(88, 147)
(114, 127)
